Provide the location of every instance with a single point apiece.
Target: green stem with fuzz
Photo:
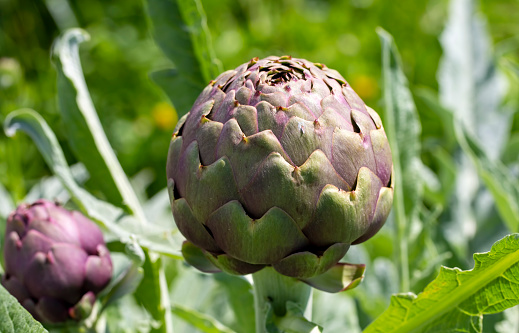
(273, 290)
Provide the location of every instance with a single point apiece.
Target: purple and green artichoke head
(279, 163)
(56, 261)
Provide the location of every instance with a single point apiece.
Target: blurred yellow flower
(164, 115)
(365, 86)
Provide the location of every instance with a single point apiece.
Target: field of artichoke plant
(259, 166)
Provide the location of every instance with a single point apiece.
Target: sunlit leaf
(456, 300)
(503, 185)
(14, 318)
(85, 132)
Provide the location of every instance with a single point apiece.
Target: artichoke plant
(279, 163)
(56, 261)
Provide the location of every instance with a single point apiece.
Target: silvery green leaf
(473, 88)
(85, 132)
(499, 180)
(158, 210)
(470, 83)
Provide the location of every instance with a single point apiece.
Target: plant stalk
(271, 293)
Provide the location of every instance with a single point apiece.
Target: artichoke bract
(279, 163)
(56, 261)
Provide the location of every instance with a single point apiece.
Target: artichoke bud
(287, 168)
(56, 261)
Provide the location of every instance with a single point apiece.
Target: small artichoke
(56, 261)
(279, 163)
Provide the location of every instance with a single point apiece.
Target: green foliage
(403, 130)
(293, 321)
(456, 299)
(501, 183)
(14, 318)
(85, 133)
(180, 29)
(100, 211)
(474, 88)
(455, 147)
(153, 293)
(34, 125)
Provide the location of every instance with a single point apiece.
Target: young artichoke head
(279, 163)
(56, 261)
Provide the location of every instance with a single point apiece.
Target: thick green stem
(273, 290)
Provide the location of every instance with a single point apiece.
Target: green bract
(279, 163)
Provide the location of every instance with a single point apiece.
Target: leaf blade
(85, 132)
(455, 291)
(153, 293)
(241, 300)
(501, 183)
(503, 186)
(403, 129)
(180, 29)
(14, 318)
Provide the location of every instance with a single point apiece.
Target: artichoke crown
(279, 162)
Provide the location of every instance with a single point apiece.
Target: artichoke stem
(273, 290)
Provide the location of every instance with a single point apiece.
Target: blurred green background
(139, 119)
(135, 113)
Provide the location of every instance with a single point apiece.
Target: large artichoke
(55, 261)
(280, 163)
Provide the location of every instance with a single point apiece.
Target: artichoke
(56, 261)
(279, 163)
